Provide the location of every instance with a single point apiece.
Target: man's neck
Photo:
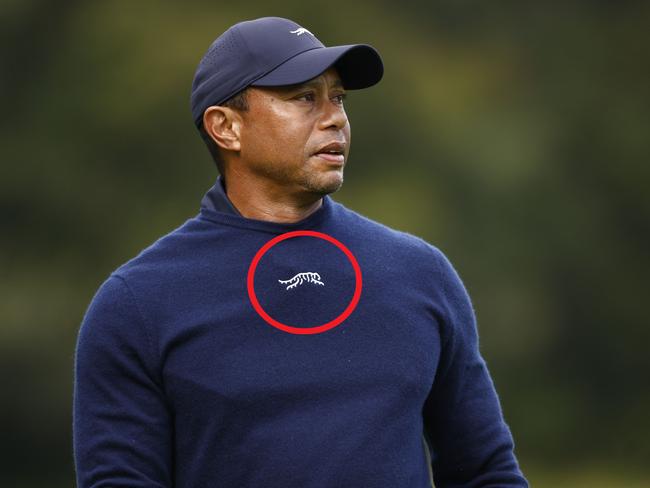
(263, 201)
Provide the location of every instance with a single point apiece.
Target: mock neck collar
(217, 207)
(216, 199)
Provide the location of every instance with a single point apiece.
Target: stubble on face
(306, 178)
(320, 182)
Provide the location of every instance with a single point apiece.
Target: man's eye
(307, 96)
(341, 97)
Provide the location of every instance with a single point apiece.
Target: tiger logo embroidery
(301, 278)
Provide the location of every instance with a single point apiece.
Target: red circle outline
(303, 330)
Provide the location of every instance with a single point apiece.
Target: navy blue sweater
(202, 362)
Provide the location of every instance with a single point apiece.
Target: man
(277, 338)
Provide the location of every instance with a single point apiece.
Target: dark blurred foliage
(512, 135)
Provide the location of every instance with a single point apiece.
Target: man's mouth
(334, 157)
(334, 152)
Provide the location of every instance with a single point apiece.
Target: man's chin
(326, 183)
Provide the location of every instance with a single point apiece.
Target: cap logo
(301, 31)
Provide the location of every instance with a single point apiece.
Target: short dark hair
(239, 101)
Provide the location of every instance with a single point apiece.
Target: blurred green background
(513, 135)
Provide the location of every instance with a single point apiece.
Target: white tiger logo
(301, 278)
(300, 31)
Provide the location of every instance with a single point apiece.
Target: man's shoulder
(382, 234)
(168, 252)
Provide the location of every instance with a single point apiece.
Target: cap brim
(358, 65)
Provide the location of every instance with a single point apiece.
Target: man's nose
(333, 115)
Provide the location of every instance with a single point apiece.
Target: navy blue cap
(272, 51)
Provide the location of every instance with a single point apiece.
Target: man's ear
(223, 125)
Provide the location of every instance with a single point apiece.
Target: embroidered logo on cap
(301, 278)
(301, 31)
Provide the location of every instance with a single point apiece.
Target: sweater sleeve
(122, 430)
(470, 442)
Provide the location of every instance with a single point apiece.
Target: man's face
(286, 127)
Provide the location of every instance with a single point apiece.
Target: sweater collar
(216, 199)
(217, 207)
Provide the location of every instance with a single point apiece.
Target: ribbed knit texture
(180, 382)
